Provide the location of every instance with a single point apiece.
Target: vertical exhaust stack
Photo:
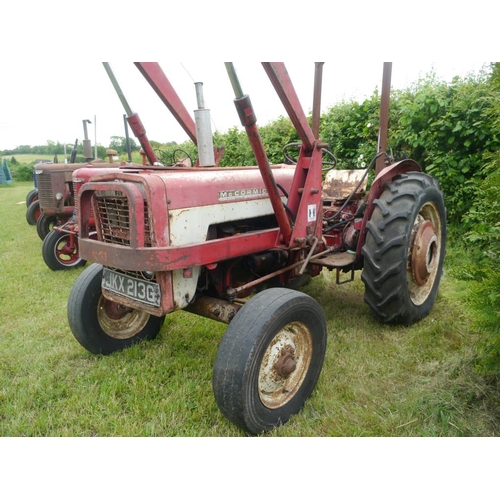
(318, 78)
(127, 138)
(206, 156)
(87, 147)
(384, 116)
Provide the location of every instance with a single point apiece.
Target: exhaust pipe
(87, 147)
(206, 156)
(384, 116)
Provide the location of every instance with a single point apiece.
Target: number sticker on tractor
(311, 213)
(143, 291)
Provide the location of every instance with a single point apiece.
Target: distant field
(31, 158)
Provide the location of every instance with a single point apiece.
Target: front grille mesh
(113, 216)
(45, 194)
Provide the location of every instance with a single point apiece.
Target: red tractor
(234, 244)
(60, 247)
(57, 226)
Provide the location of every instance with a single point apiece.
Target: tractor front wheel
(33, 213)
(44, 225)
(31, 197)
(102, 326)
(269, 359)
(60, 251)
(404, 249)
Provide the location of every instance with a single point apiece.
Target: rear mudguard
(384, 177)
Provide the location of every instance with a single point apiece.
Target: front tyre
(269, 359)
(31, 197)
(33, 213)
(45, 224)
(404, 249)
(102, 326)
(60, 251)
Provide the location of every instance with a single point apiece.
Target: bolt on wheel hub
(284, 365)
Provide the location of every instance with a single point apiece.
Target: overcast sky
(52, 78)
(43, 104)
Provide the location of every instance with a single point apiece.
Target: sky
(43, 104)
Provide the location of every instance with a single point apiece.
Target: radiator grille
(113, 217)
(45, 193)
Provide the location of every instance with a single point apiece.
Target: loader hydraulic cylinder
(249, 120)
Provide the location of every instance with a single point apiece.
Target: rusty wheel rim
(118, 321)
(285, 365)
(424, 253)
(65, 253)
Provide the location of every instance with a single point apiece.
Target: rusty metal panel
(218, 310)
(339, 184)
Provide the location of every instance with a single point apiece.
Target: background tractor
(235, 244)
(55, 222)
(33, 211)
(57, 226)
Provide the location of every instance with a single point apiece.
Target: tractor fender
(385, 176)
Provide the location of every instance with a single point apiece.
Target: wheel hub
(424, 252)
(114, 310)
(119, 321)
(285, 365)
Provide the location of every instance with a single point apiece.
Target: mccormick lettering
(240, 194)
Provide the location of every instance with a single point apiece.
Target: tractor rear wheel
(404, 249)
(103, 326)
(269, 359)
(60, 251)
(44, 225)
(33, 213)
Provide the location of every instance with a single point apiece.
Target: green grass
(377, 380)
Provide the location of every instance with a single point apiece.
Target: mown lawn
(377, 380)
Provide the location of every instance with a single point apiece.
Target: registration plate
(143, 291)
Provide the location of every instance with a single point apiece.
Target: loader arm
(280, 79)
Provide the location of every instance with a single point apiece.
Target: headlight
(59, 196)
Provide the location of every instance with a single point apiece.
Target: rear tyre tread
(385, 251)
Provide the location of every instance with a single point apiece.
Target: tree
(350, 129)
(119, 144)
(446, 129)
(483, 221)
(6, 171)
